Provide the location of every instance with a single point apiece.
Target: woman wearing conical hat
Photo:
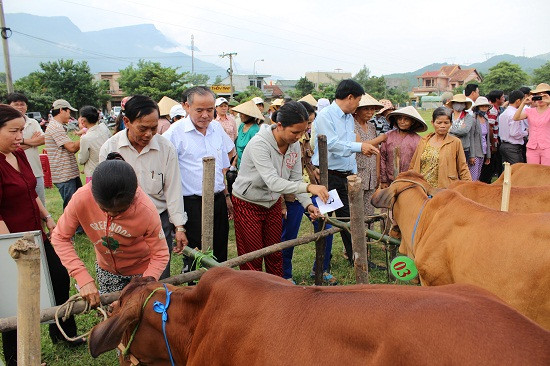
(367, 166)
(250, 117)
(462, 121)
(405, 123)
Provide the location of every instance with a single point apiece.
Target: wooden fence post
(357, 228)
(26, 254)
(506, 187)
(320, 244)
(207, 218)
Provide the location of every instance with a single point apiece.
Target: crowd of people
(142, 199)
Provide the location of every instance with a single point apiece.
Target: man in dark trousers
(337, 124)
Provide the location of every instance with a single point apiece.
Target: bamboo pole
(369, 233)
(320, 244)
(26, 254)
(207, 211)
(357, 229)
(7, 324)
(205, 261)
(506, 187)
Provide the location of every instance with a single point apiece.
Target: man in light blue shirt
(337, 124)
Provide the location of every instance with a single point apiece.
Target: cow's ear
(107, 335)
(382, 198)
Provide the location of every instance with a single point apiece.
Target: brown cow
(527, 175)
(522, 199)
(253, 318)
(459, 241)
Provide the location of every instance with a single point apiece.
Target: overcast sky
(293, 37)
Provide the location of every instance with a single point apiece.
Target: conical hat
(309, 99)
(249, 108)
(459, 98)
(165, 104)
(367, 101)
(277, 102)
(411, 112)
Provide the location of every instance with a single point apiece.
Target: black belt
(339, 173)
(511, 143)
(197, 197)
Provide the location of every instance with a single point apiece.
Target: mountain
(528, 64)
(545, 56)
(38, 39)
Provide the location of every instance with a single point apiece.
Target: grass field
(61, 355)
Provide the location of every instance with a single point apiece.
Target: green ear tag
(403, 268)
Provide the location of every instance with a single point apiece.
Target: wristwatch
(181, 229)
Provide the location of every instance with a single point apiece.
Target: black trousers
(340, 184)
(193, 207)
(494, 168)
(512, 153)
(60, 283)
(168, 230)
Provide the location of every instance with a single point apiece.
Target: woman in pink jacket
(122, 223)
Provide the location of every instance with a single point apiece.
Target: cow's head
(384, 198)
(126, 313)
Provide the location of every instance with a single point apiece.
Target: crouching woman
(123, 225)
(271, 166)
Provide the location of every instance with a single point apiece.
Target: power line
(134, 16)
(99, 55)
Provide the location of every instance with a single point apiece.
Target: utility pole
(192, 54)
(230, 55)
(6, 33)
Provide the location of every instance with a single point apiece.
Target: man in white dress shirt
(195, 137)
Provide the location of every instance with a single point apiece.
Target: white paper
(333, 203)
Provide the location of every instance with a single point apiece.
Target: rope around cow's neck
(418, 220)
(161, 308)
(157, 305)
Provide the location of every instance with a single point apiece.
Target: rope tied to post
(68, 305)
(200, 256)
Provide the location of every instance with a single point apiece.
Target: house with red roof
(445, 79)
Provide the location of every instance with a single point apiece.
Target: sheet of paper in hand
(333, 203)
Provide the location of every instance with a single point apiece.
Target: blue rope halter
(161, 308)
(418, 220)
